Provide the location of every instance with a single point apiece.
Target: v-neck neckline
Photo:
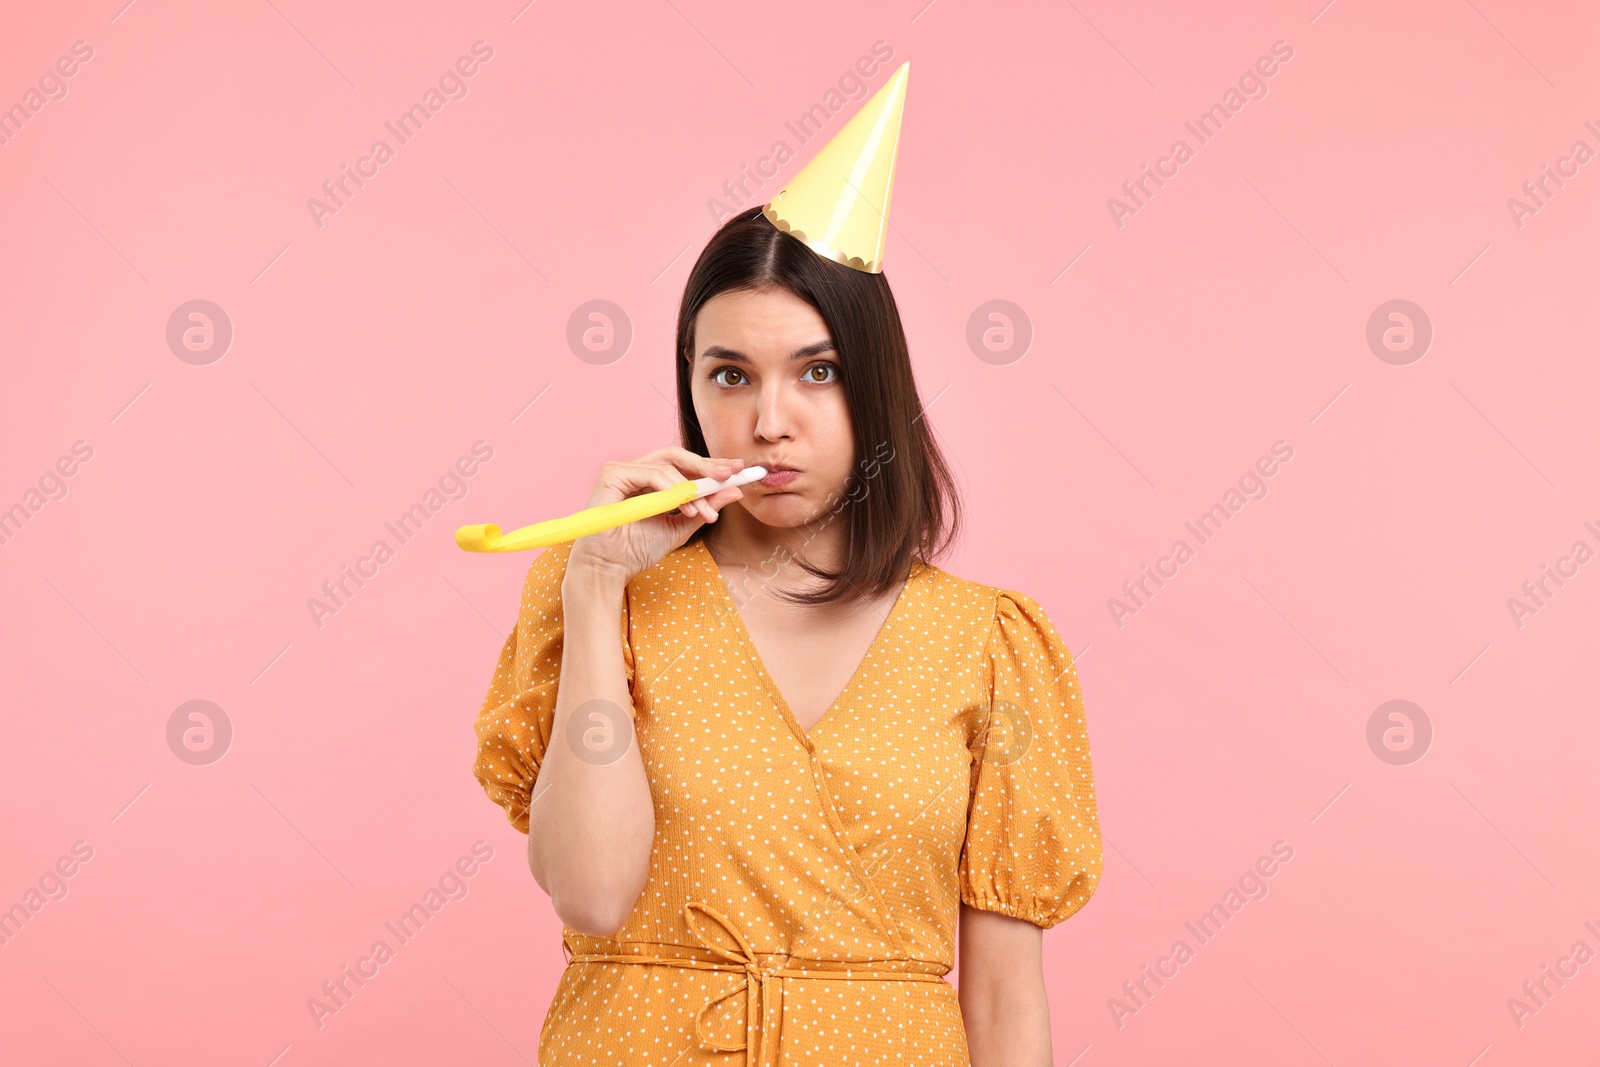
(742, 632)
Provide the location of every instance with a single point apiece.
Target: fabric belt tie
(762, 985)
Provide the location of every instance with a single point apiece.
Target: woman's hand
(623, 551)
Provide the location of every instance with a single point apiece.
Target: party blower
(488, 538)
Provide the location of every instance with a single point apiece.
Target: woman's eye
(829, 373)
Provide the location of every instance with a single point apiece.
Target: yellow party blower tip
(488, 538)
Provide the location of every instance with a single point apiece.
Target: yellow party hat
(839, 202)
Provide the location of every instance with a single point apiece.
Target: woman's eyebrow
(815, 348)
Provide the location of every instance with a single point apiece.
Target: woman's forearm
(591, 820)
(1001, 989)
(1007, 1020)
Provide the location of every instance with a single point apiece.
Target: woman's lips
(778, 478)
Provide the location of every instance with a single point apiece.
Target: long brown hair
(900, 500)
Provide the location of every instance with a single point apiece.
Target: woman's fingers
(628, 477)
(689, 465)
(698, 466)
(721, 499)
(707, 507)
(669, 475)
(664, 468)
(669, 466)
(625, 479)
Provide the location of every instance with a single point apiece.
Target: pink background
(1230, 312)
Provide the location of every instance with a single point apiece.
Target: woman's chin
(776, 508)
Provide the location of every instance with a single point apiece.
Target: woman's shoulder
(549, 569)
(1007, 617)
(990, 601)
(541, 587)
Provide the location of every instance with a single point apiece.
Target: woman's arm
(591, 820)
(1001, 990)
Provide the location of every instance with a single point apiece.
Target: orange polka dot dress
(803, 890)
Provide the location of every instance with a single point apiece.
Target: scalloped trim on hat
(854, 262)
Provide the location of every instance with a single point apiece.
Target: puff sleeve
(1032, 849)
(517, 716)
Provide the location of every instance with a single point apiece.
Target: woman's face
(767, 389)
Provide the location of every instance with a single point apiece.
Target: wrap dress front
(803, 889)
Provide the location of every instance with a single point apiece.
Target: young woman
(764, 752)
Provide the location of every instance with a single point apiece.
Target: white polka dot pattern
(784, 856)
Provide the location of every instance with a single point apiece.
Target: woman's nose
(773, 417)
